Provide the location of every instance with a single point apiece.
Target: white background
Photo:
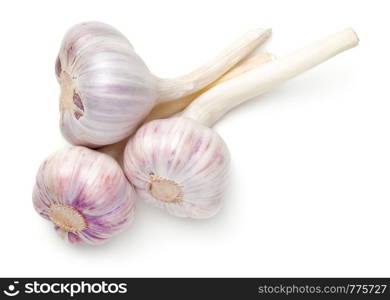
(309, 193)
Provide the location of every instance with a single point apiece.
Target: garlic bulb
(179, 164)
(107, 90)
(85, 195)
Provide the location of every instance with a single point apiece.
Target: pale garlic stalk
(107, 90)
(166, 109)
(84, 192)
(180, 165)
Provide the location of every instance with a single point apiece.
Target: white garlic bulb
(179, 164)
(107, 90)
(85, 195)
(100, 75)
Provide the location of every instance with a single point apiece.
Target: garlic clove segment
(178, 165)
(85, 195)
(107, 90)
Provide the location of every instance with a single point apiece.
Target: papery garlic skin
(85, 194)
(106, 88)
(190, 159)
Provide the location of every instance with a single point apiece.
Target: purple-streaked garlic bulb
(180, 164)
(85, 195)
(107, 90)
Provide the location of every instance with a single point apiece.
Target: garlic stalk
(209, 108)
(107, 90)
(181, 165)
(85, 193)
(166, 109)
(174, 88)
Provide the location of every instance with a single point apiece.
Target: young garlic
(107, 90)
(85, 192)
(180, 165)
